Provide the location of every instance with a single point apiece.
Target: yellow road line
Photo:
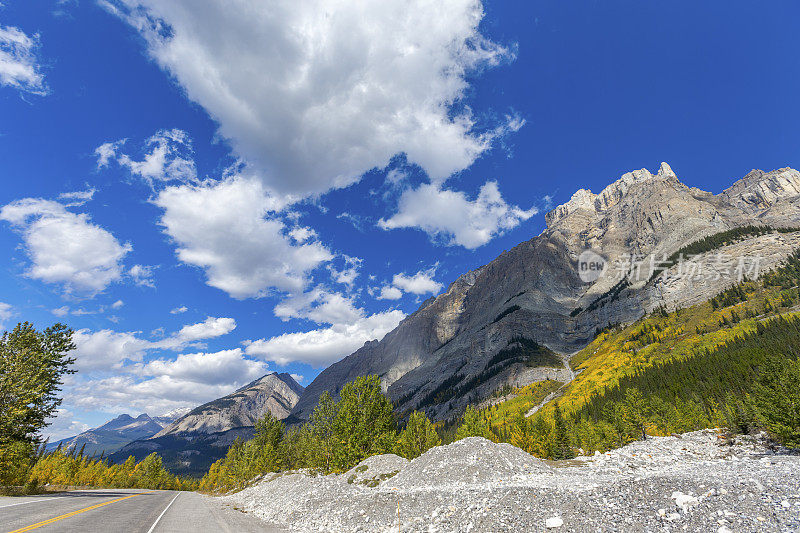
(73, 513)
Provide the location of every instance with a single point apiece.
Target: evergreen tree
(776, 395)
(561, 441)
(473, 425)
(265, 444)
(32, 365)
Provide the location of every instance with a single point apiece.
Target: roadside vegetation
(732, 362)
(339, 435)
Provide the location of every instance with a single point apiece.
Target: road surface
(124, 510)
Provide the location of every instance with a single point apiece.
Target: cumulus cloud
(323, 346)
(208, 329)
(320, 306)
(226, 229)
(168, 157)
(223, 367)
(6, 312)
(107, 349)
(420, 283)
(451, 218)
(158, 395)
(311, 95)
(19, 66)
(179, 310)
(389, 292)
(66, 247)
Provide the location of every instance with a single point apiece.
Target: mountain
(114, 434)
(276, 393)
(493, 324)
(195, 440)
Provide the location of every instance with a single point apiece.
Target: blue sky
(208, 191)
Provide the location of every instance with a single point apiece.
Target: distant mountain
(194, 441)
(488, 328)
(114, 434)
(276, 393)
(168, 418)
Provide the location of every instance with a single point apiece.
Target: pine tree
(473, 425)
(32, 365)
(776, 396)
(561, 441)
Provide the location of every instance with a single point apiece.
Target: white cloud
(348, 273)
(225, 229)
(77, 198)
(65, 247)
(107, 151)
(313, 94)
(390, 293)
(179, 310)
(125, 393)
(223, 367)
(61, 311)
(298, 378)
(420, 283)
(142, 275)
(320, 306)
(302, 234)
(163, 385)
(107, 349)
(450, 217)
(63, 425)
(208, 329)
(117, 304)
(168, 157)
(6, 312)
(19, 66)
(323, 346)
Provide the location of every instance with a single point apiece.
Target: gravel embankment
(688, 483)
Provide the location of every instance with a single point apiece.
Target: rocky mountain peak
(594, 204)
(760, 190)
(274, 393)
(465, 343)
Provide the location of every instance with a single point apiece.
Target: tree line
(749, 383)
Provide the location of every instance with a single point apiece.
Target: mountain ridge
(534, 289)
(114, 434)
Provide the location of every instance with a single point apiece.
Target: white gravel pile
(468, 462)
(688, 483)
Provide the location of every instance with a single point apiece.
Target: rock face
(114, 434)
(274, 393)
(446, 354)
(194, 441)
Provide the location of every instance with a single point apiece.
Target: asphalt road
(124, 510)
